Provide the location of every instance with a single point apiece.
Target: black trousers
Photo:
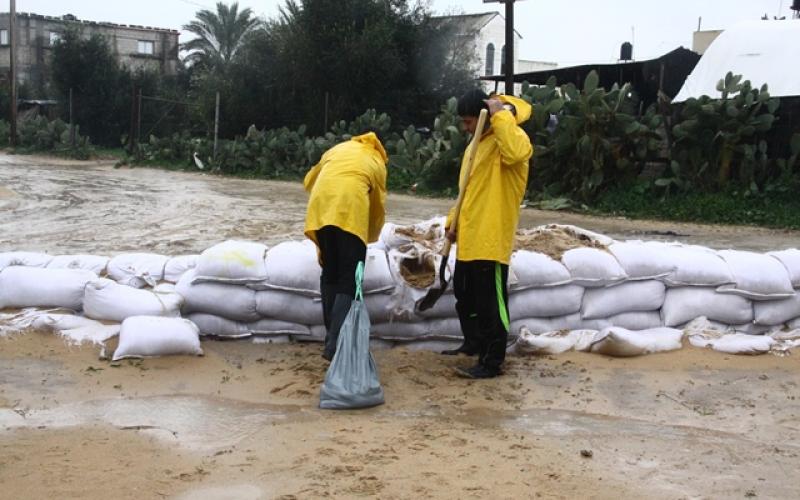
(340, 252)
(481, 289)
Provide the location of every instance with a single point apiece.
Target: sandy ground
(242, 421)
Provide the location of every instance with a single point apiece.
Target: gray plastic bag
(352, 378)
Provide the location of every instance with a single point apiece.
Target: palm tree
(219, 35)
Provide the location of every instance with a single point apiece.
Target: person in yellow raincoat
(486, 227)
(347, 194)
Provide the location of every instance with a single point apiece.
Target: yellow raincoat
(348, 189)
(490, 209)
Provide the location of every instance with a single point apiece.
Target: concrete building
(487, 34)
(134, 46)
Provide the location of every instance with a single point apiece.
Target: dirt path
(242, 421)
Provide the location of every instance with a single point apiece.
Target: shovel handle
(462, 187)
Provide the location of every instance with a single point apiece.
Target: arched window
(503, 60)
(490, 59)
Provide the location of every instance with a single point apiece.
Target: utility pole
(509, 62)
(216, 127)
(12, 39)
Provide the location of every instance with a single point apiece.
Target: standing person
(486, 227)
(347, 193)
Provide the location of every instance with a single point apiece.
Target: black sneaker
(477, 372)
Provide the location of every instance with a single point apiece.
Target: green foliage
(41, 135)
(598, 141)
(219, 35)
(722, 140)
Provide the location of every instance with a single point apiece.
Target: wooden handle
(464, 180)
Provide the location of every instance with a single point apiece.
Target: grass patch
(738, 207)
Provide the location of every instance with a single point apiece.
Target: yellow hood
(524, 110)
(370, 139)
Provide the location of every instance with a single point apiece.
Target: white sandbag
(791, 261)
(445, 307)
(642, 261)
(317, 334)
(104, 299)
(592, 267)
(684, 304)
(28, 259)
(702, 323)
(94, 263)
(96, 334)
(621, 342)
(144, 336)
(793, 324)
(22, 286)
(633, 296)
(377, 275)
(293, 266)
(448, 328)
(276, 327)
(431, 231)
(536, 270)
(444, 328)
(137, 269)
(776, 312)
(541, 325)
(287, 306)
(230, 301)
(56, 322)
(642, 320)
(427, 345)
(733, 343)
(272, 339)
(694, 265)
(545, 302)
(177, 266)
(756, 276)
(232, 262)
(553, 342)
(217, 326)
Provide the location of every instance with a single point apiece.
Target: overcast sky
(563, 31)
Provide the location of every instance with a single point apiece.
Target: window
(54, 37)
(490, 59)
(3, 37)
(145, 47)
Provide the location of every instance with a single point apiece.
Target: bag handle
(359, 280)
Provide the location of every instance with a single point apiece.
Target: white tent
(761, 51)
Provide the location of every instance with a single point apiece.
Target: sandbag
(642, 261)
(620, 342)
(28, 259)
(352, 377)
(377, 275)
(642, 320)
(545, 302)
(592, 267)
(536, 270)
(427, 345)
(428, 232)
(633, 296)
(293, 266)
(94, 263)
(56, 322)
(145, 336)
(106, 300)
(776, 312)
(137, 269)
(568, 322)
(552, 342)
(732, 343)
(686, 303)
(230, 301)
(756, 276)
(694, 265)
(217, 326)
(22, 286)
(177, 266)
(791, 261)
(444, 328)
(387, 308)
(232, 262)
(96, 334)
(289, 306)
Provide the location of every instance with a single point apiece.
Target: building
(487, 34)
(701, 40)
(134, 46)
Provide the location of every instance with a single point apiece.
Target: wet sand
(242, 421)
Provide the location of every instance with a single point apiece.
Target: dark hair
(471, 103)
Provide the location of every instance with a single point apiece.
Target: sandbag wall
(240, 289)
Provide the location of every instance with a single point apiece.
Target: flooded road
(242, 422)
